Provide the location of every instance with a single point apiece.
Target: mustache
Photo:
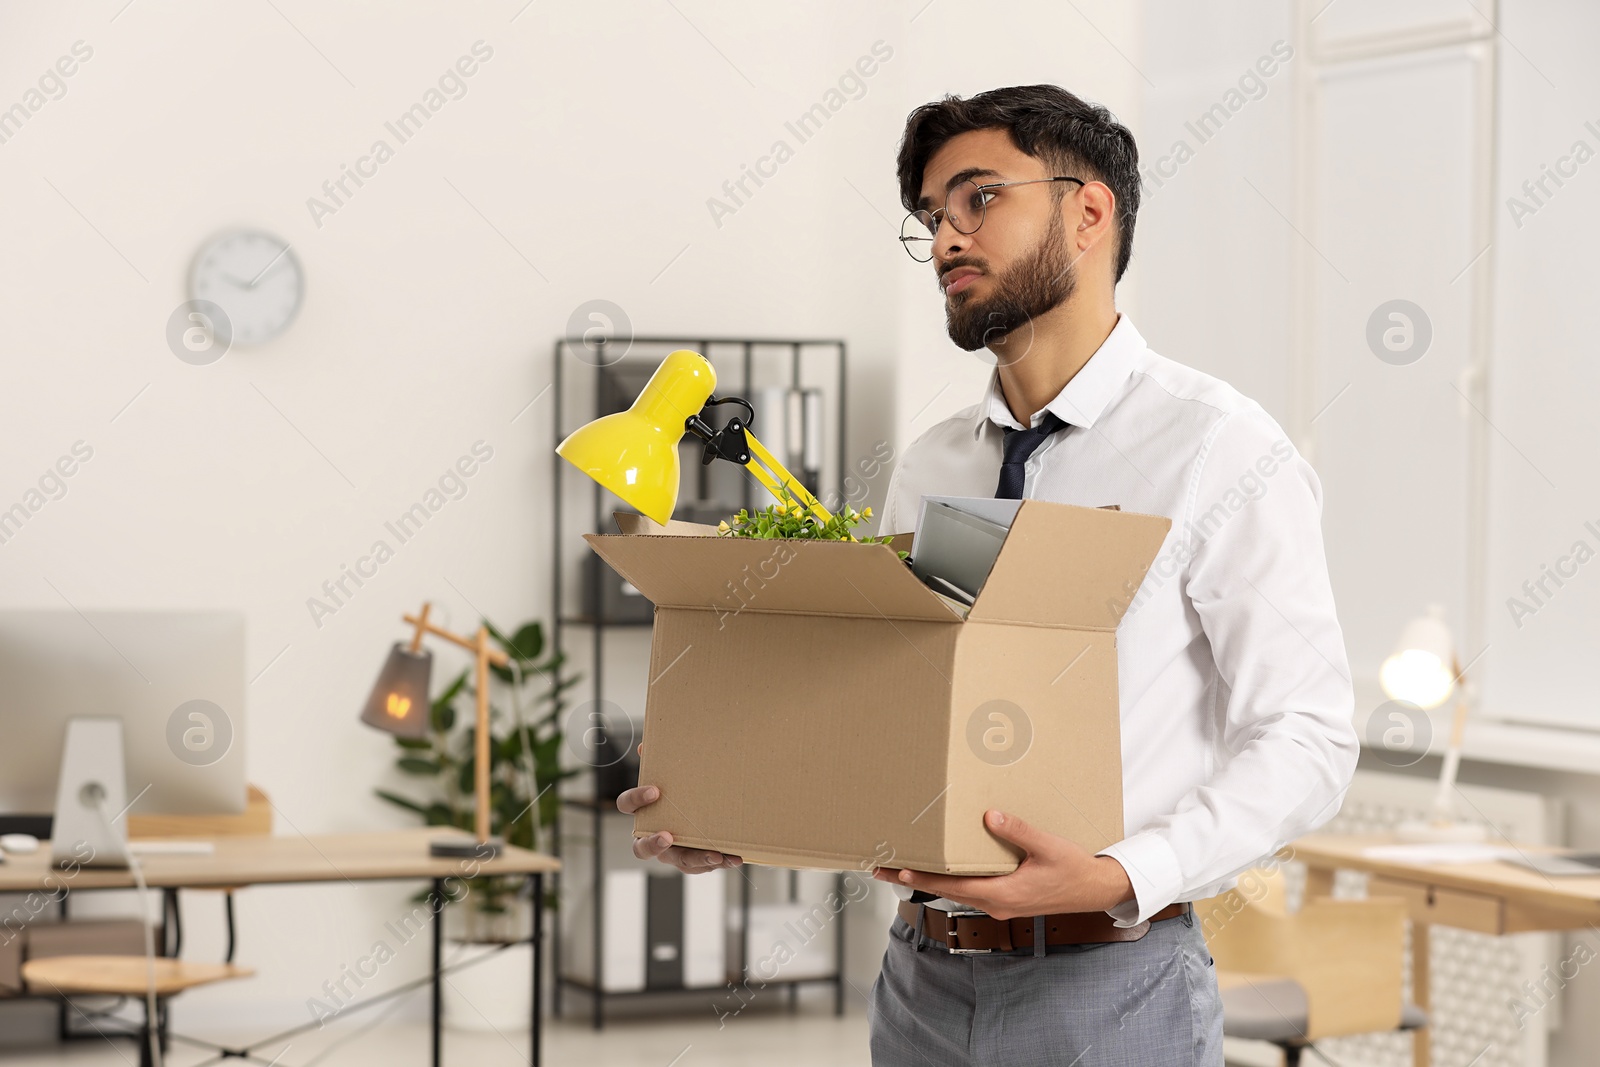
(957, 264)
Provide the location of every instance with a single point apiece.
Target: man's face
(1019, 264)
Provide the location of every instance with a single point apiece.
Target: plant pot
(496, 993)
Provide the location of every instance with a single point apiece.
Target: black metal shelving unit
(747, 356)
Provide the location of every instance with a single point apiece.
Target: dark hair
(1044, 121)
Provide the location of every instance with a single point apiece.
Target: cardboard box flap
(633, 523)
(752, 574)
(1063, 565)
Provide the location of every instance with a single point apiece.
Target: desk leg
(537, 882)
(1319, 882)
(1421, 1040)
(438, 982)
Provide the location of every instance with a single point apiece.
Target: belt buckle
(950, 932)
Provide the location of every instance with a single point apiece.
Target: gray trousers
(1146, 1003)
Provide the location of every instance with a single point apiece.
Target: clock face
(254, 277)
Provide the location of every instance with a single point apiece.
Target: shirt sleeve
(1257, 577)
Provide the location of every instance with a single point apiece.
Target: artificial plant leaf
(452, 690)
(444, 707)
(517, 647)
(508, 748)
(418, 765)
(400, 801)
(528, 642)
(547, 753)
(444, 718)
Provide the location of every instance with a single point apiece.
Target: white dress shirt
(1235, 693)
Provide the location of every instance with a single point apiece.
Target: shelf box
(789, 941)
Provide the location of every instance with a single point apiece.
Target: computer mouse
(21, 844)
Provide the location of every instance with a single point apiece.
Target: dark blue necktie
(1019, 445)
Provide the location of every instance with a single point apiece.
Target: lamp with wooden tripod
(399, 704)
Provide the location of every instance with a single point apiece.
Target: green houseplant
(796, 522)
(523, 806)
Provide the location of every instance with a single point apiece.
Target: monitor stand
(90, 828)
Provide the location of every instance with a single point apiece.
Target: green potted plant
(795, 521)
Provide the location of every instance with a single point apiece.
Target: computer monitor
(176, 679)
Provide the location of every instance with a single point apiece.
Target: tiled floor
(812, 1038)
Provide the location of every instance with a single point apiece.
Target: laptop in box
(958, 539)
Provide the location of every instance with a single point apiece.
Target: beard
(1040, 282)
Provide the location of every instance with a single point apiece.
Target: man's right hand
(659, 845)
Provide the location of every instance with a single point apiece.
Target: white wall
(1545, 490)
(1091, 49)
(1213, 255)
(1543, 393)
(591, 141)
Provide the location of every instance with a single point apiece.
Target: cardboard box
(813, 704)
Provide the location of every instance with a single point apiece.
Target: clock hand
(275, 259)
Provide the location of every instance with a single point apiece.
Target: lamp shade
(399, 700)
(1421, 670)
(634, 453)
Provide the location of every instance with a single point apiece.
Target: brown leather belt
(968, 933)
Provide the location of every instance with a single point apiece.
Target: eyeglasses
(964, 207)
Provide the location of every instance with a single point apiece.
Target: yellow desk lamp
(634, 453)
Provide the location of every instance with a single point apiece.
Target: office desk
(396, 855)
(1488, 898)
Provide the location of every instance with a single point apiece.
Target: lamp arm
(495, 656)
(1444, 800)
(480, 735)
(786, 483)
(421, 623)
(727, 443)
(736, 444)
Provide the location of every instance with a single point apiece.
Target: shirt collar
(1083, 399)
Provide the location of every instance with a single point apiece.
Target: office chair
(1331, 969)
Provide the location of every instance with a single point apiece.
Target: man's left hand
(1055, 875)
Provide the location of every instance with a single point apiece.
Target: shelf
(800, 363)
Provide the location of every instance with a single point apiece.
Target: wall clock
(254, 277)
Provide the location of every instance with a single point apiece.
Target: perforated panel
(1476, 978)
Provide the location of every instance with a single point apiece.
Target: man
(1234, 688)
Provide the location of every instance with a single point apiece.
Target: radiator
(1477, 980)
